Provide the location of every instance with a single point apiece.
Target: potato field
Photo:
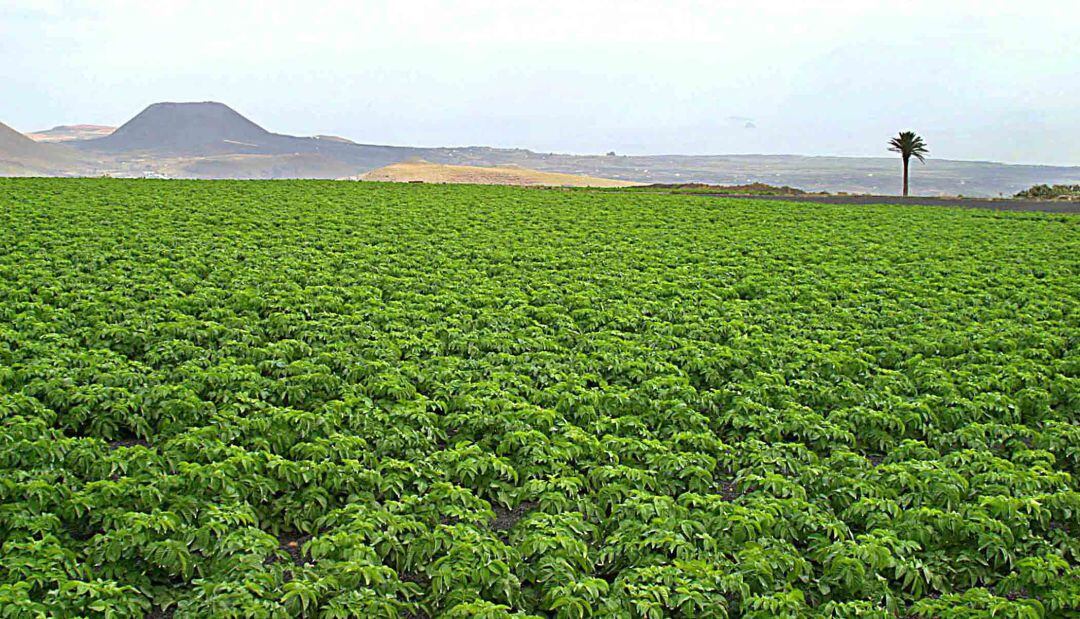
(336, 399)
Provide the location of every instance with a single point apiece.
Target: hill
(184, 129)
(68, 133)
(334, 138)
(427, 172)
(211, 140)
(296, 165)
(21, 156)
(869, 175)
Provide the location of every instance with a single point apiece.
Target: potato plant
(324, 399)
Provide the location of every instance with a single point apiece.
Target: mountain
(185, 129)
(334, 138)
(21, 156)
(420, 171)
(211, 140)
(68, 133)
(218, 136)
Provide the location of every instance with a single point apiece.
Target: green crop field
(331, 399)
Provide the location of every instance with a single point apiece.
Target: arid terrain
(211, 140)
(420, 171)
(21, 156)
(68, 133)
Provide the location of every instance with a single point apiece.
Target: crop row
(272, 399)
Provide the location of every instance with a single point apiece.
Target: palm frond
(908, 144)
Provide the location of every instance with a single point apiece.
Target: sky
(978, 79)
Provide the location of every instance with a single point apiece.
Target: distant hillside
(167, 131)
(21, 156)
(298, 165)
(334, 138)
(68, 133)
(752, 189)
(870, 175)
(211, 140)
(184, 129)
(427, 172)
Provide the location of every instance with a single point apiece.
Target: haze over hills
(21, 156)
(868, 175)
(211, 140)
(68, 133)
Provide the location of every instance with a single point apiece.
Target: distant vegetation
(1051, 192)
(750, 189)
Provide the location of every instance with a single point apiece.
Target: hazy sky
(979, 79)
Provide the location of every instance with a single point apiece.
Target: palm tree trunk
(905, 175)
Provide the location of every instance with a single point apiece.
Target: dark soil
(1016, 595)
(997, 205)
(751, 188)
(415, 577)
(292, 542)
(505, 519)
(1064, 526)
(728, 491)
(128, 442)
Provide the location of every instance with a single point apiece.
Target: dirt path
(998, 205)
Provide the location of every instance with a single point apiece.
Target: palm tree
(908, 145)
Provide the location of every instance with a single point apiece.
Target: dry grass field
(427, 172)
